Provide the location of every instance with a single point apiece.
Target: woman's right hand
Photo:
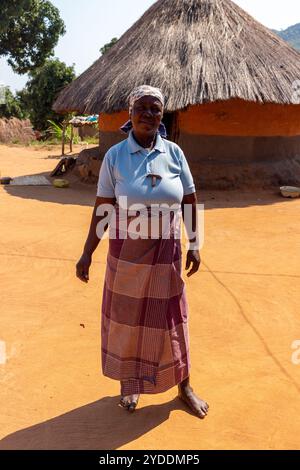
(83, 266)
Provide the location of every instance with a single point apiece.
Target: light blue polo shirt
(126, 165)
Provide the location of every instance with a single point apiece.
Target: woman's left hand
(193, 256)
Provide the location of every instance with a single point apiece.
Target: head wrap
(135, 95)
(145, 90)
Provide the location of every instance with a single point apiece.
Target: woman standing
(144, 323)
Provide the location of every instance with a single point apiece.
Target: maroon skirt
(144, 321)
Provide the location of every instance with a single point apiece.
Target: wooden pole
(71, 139)
(63, 139)
(99, 131)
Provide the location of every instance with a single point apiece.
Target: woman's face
(146, 115)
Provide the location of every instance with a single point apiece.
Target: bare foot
(129, 401)
(196, 404)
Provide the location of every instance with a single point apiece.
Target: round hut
(230, 84)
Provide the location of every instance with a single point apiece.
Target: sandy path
(244, 316)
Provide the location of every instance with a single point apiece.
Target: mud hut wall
(230, 144)
(237, 131)
(109, 129)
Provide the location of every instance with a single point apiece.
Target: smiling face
(146, 116)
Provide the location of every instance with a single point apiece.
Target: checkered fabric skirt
(144, 321)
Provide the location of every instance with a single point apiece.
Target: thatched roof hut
(227, 79)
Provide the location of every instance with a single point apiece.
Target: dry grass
(196, 51)
(13, 131)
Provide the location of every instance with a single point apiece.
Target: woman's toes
(122, 403)
(201, 414)
(132, 407)
(205, 408)
(130, 402)
(200, 409)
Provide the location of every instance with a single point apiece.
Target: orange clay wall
(112, 122)
(231, 143)
(241, 118)
(228, 118)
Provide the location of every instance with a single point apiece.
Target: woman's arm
(92, 241)
(193, 255)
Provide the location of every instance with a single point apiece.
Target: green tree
(41, 90)
(29, 31)
(107, 46)
(10, 105)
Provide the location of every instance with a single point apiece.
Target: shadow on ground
(99, 425)
(77, 194)
(84, 195)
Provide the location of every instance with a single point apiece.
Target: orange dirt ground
(244, 315)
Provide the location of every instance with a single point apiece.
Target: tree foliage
(107, 46)
(41, 90)
(29, 31)
(10, 105)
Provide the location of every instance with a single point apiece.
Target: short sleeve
(186, 176)
(106, 181)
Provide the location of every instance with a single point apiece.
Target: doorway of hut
(170, 120)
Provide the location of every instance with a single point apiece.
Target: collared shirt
(126, 170)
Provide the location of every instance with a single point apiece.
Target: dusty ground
(244, 316)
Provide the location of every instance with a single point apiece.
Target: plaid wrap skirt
(144, 315)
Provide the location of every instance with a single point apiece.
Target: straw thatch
(196, 51)
(15, 130)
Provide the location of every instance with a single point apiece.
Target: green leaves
(29, 31)
(56, 131)
(41, 90)
(10, 106)
(107, 46)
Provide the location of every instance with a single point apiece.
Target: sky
(93, 23)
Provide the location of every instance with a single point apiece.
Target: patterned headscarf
(136, 94)
(145, 90)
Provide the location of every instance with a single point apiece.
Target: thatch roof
(196, 51)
